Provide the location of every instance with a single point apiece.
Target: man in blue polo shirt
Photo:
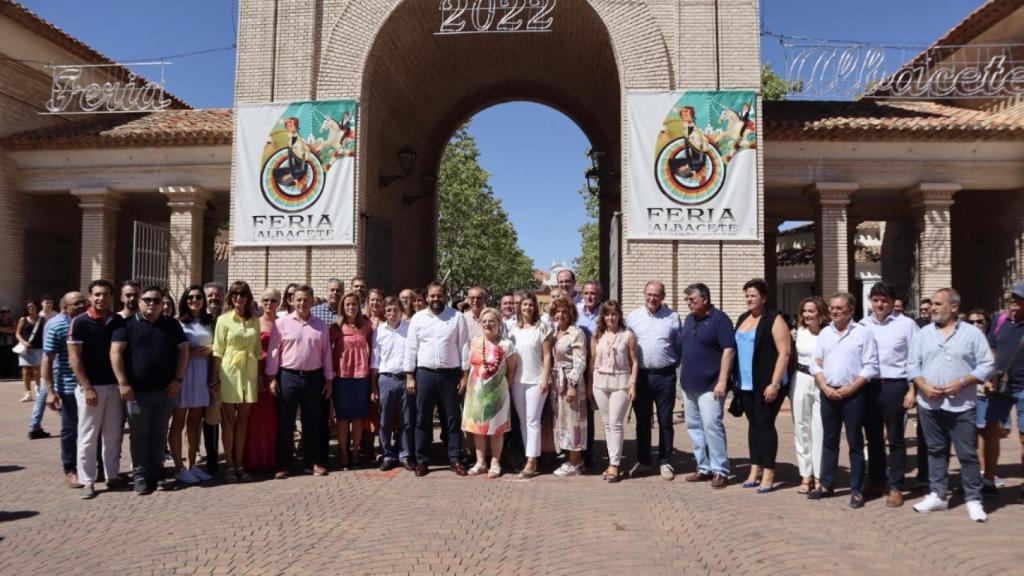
(149, 354)
(99, 406)
(709, 345)
(60, 382)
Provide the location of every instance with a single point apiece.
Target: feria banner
(693, 165)
(295, 170)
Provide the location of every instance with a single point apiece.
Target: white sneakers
(186, 476)
(975, 511)
(567, 469)
(667, 472)
(932, 503)
(27, 397)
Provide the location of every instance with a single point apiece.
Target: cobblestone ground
(367, 522)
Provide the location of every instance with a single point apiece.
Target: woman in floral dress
(568, 386)
(485, 414)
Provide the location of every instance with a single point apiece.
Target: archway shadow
(10, 468)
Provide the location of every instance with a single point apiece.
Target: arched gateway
(414, 83)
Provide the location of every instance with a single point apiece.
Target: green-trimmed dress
(486, 408)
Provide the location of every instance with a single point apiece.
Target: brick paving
(367, 522)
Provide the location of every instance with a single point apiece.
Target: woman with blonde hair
(804, 396)
(485, 413)
(531, 382)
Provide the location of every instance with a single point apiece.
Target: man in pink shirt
(301, 349)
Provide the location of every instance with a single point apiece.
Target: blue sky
(536, 172)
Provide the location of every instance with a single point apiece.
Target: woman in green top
(236, 355)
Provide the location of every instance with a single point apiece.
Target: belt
(803, 368)
(439, 370)
(303, 373)
(393, 375)
(890, 380)
(661, 371)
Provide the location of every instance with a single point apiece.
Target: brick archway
(416, 88)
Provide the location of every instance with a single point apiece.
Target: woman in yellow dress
(236, 356)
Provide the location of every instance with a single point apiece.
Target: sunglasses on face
(152, 300)
(195, 297)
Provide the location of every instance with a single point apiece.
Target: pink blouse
(350, 348)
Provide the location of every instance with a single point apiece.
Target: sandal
(230, 475)
(477, 469)
(495, 470)
(527, 474)
(805, 487)
(751, 484)
(243, 475)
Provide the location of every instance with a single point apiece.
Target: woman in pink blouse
(351, 336)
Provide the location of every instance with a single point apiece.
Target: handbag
(1001, 378)
(20, 348)
(736, 405)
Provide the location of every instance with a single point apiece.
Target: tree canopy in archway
(476, 242)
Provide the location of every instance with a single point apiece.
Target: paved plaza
(368, 522)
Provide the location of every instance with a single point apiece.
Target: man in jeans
(888, 397)
(948, 360)
(659, 338)
(99, 406)
(846, 358)
(149, 354)
(709, 346)
(1007, 341)
(60, 380)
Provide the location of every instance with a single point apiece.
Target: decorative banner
(295, 167)
(692, 165)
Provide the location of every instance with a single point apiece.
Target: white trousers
(807, 432)
(105, 419)
(529, 403)
(614, 405)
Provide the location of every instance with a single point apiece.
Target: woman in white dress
(529, 383)
(805, 399)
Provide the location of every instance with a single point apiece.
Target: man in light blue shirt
(888, 396)
(948, 359)
(587, 311)
(846, 358)
(659, 349)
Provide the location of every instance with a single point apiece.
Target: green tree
(476, 243)
(587, 265)
(773, 87)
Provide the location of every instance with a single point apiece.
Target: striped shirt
(55, 341)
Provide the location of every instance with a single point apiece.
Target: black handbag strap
(1016, 353)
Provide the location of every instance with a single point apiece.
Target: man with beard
(129, 298)
(436, 368)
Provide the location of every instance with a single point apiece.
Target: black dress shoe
(458, 468)
(408, 465)
(856, 500)
(421, 470)
(386, 464)
(819, 493)
(37, 434)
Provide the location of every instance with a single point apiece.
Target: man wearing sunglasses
(149, 354)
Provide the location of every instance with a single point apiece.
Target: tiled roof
(31, 21)
(169, 128)
(974, 24)
(884, 120)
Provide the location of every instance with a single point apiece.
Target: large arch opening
(420, 87)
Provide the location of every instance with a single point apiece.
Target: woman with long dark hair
(191, 403)
(351, 336)
(30, 335)
(236, 352)
(761, 365)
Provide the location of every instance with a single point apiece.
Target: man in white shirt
(436, 368)
(387, 370)
(477, 298)
(508, 311)
(846, 358)
(888, 396)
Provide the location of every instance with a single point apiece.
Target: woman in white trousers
(805, 399)
(530, 383)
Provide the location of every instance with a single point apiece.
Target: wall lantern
(406, 161)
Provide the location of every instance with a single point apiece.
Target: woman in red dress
(261, 443)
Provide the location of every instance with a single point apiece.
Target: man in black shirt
(99, 407)
(149, 354)
(1008, 343)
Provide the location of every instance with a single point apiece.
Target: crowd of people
(518, 384)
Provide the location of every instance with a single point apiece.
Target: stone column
(185, 266)
(99, 232)
(931, 203)
(831, 236)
